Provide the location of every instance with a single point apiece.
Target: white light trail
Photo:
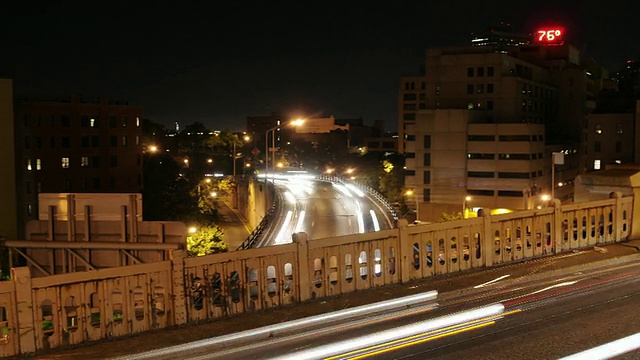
(280, 239)
(491, 282)
(289, 197)
(300, 222)
(608, 350)
(360, 219)
(376, 224)
(342, 189)
(554, 286)
(394, 334)
(352, 187)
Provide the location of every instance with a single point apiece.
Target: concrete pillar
(21, 278)
(178, 290)
(634, 233)
(406, 250)
(302, 266)
(617, 216)
(487, 240)
(558, 236)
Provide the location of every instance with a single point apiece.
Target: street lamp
(245, 138)
(415, 194)
(464, 206)
(297, 122)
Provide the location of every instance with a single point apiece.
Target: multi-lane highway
(322, 209)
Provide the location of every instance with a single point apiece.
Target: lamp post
(464, 206)
(297, 122)
(235, 155)
(412, 192)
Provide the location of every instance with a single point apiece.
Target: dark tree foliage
(166, 195)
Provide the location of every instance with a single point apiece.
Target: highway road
(544, 318)
(324, 209)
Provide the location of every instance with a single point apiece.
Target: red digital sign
(550, 35)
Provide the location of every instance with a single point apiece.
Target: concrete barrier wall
(46, 312)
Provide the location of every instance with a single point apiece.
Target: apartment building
(534, 100)
(76, 146)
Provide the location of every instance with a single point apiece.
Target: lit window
(92, 122)
(137, 140)
(65, 162)
(619, 129)
(124, 141)
(38, 164)
(137, 121)
(598, 129)
(596, 164)
(84, 161)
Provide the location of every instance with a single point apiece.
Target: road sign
(255, 151)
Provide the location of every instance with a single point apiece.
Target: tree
(450, 216)
(207, 240)
(392, 177)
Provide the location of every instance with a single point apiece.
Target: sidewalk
(236, 230)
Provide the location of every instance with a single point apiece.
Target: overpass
(66, 309)
(321, 206)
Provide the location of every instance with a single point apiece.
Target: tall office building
(76, 146)
(530, 100)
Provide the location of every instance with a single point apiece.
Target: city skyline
(224, 64)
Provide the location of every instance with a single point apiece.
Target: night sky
(219, 63)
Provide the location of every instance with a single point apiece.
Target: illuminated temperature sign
(551, 35)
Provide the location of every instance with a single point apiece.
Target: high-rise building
(75, 146)
(528, 101)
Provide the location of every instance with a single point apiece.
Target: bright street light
(415, 194)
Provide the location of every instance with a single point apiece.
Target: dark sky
(219, 63)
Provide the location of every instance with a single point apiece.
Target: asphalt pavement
(235, 228)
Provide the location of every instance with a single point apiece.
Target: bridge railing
(59, 310)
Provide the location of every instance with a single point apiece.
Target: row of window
(85, 162)
(597, 146)
(502, 193)
(85, 141)
(504, 175)
(478, 89)
(489, 156)
(480, 71)
(619, 129)
(536, 91)
(85, 121)
(508, 138)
